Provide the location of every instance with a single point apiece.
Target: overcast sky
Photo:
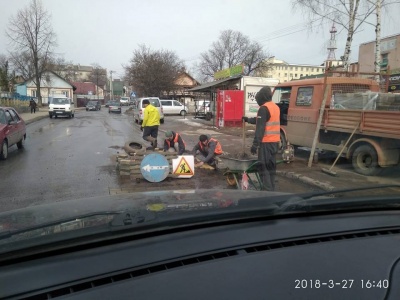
(106, 32)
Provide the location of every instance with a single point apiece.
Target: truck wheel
(282, 143)
(365, 160)
(162, 121)
(50, 116)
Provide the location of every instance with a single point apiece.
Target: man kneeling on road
(151, 122)
(174, 142)
(209, 148)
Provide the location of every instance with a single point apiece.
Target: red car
(12, 130)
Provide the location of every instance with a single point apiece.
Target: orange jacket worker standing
(267, 136)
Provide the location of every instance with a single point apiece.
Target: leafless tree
(64, 69)
(6, 74)
(153, 73)
(231, 49)
(350, 15)
(98, 76)
(32, 40)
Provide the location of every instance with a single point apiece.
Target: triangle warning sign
(183, 168)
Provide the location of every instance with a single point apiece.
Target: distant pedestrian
(32, 105)
(174, 142)
(209, 148)
(151, 122)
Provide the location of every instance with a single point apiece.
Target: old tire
(4, 150)
(134, 147)
(365, 160)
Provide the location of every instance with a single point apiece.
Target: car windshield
(59, 101)
(259, 100)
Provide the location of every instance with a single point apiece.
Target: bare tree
(350, 15)
(32, 39)
(233, 48)
(6, 75)
(153, 73)
(98, 76)
(64, 69)
(378, 10)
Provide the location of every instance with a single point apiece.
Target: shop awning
(209, 86)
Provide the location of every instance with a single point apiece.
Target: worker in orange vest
(173, 141)
(267, 136)
(209, 148)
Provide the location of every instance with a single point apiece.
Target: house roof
(83, 88)
(55, 74)
(207, 87)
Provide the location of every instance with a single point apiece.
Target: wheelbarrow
(236, 167)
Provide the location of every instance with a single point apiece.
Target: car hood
(178, 201)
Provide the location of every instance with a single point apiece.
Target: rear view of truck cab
(61, 106)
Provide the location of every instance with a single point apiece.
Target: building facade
(390, 55)
(286, 72)
(51, 84)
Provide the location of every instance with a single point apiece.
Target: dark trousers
(33, 109)
(267, 169)
(150, 134)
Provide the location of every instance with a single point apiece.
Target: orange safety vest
(175, 140)
(218, 148)
(272, 127)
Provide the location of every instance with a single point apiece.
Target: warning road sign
(183, 166)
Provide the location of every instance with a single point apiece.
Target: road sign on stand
(183, 166)
(154, 167)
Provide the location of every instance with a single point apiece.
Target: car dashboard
(351, 255)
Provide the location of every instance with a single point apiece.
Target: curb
(307, 180)
(35, 119)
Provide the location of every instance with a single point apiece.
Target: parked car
(124, 101)
(12, 130)
(114, 106)
(108, 103)
(173, 107)
(93, 105)
(138, 109)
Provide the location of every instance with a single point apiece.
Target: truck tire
(365, 160)
(282, 143)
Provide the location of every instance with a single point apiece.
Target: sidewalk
(29, 118)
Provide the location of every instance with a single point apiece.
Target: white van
(173, 107)
(60, 105)
(138, 108)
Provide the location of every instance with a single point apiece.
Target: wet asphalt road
(65, 159)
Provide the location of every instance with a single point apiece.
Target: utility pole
(111, 85)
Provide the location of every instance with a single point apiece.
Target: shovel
(329, 171)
